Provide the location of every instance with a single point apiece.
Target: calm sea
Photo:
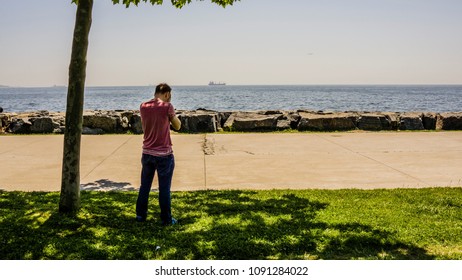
(433, 98)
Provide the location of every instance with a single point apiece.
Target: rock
(391, 122)
(125, 123)
(283, 124)
(43, 113)
(135, 124)
(42, 125)
(449, 121)
(126, 117)
(326, 121)
(374, 121)
(411, 121)
(251, 121)
(59, 130)
(370, 122)
(222, 118)
(293, 118)
(59, 119)
(129, 113)
(199, 122)
(4, 121)
(106, 122)
(19, 126)
(429, 120)
(92, 131)
(128, 120)
(38, 114)
(270, 112)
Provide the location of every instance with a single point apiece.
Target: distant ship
(212, 83)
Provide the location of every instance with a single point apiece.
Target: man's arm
(176, 123)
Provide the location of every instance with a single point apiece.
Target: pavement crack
(208, 149)
(208, 146)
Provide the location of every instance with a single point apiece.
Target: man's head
(163, 92)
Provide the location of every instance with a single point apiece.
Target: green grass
(305, 224)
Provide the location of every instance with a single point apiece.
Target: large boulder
(201, 121)
(375, 121)
(38, 114)
(285, 119)
(43, 125)
(392, 121)
(326, 121)
(59, 122)
(92, 131)
(19, 126)
(59, 118)
(135, 124)
(293, 118)
(125, 120)
(252, 121)
(130, 120)
(108, 123)
(449, 121)
(411, 121)
(222, 118)
(4, 121)
(429, 120)
(283, 124)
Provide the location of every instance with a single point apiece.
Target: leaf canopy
(176, 3)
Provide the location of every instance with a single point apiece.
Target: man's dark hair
(163, 88)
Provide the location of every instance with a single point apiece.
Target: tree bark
(70, 180)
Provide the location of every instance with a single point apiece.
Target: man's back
(155, 119)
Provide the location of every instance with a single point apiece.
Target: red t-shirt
(155, 119)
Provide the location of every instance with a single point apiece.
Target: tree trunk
(70, 181)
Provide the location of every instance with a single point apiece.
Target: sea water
(391, 98)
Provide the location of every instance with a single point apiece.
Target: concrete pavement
(245, 161)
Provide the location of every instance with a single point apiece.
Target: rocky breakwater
(94, 122)
(32, 122)
(206, 121)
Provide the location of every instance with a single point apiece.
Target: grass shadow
(242, 226)
(213, 225)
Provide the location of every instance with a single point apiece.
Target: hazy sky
(252, 42)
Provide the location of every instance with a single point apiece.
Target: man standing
(156, 116)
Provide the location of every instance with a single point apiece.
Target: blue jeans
(164, 166)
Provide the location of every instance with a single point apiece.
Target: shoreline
(208, 121)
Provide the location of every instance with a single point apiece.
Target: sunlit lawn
(305, 224)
